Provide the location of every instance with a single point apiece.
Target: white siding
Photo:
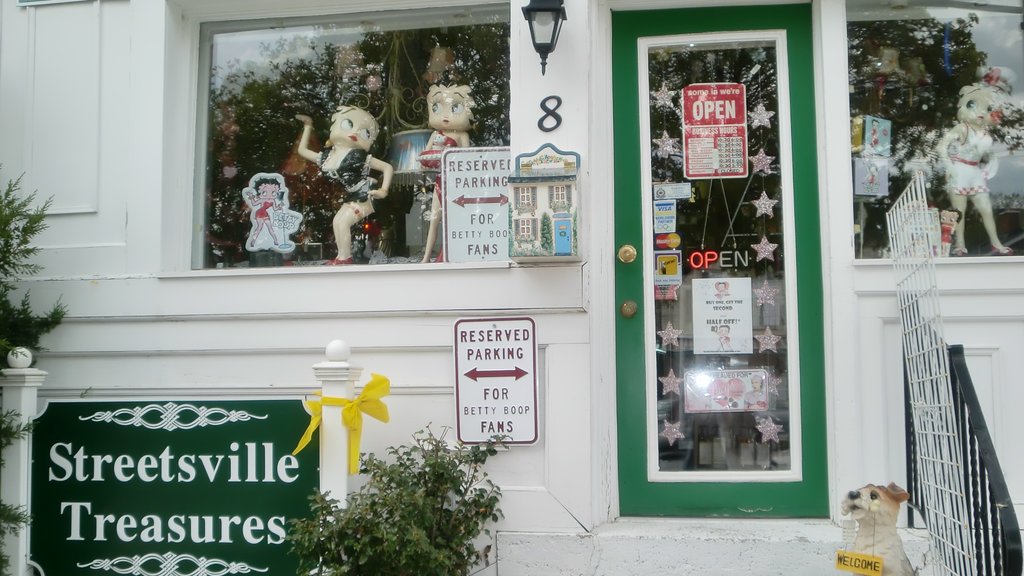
(97, 105)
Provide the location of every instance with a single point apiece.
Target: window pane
(721, 393)
(932, 90)
(262, 75)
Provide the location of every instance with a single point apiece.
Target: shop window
(937, 89)
(268, 197)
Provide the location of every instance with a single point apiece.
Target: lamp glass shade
(545, 20)
(544, 28)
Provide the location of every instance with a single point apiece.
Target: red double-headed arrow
(476, 373)
(499, 199)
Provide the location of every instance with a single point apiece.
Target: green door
(720, 377)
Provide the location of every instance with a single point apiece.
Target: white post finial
(19, 358)
(337, 351)
(337, 379)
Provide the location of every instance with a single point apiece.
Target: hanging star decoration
(765, 249)
(765, 205)
(760, 117)
(773, 384)
(670, 383)
(663, 97)
(766, 293)
(768, 341)
(672, 432)
(669, 336)
(666, 146)
(769, 430)
(762, 162)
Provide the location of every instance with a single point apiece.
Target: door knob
(627, 253)
(628, 309)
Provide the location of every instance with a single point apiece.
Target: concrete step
(704, 547)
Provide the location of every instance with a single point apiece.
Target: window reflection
(262, 75)
(722, 386)
(938, 90)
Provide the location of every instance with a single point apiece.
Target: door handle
(628, 309)
(627, 253)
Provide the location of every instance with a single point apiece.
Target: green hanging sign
(175, 488)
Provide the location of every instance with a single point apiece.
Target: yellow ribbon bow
(368, 401)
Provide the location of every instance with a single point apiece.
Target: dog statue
(875, 509)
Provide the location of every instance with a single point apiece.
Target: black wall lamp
(545, 19)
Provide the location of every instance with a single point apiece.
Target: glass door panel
(717, 165)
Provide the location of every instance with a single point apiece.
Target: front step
(699, 547)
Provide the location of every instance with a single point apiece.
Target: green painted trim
(637, 496)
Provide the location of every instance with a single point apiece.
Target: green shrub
(20, 222)
(418, 515)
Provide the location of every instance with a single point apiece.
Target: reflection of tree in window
(311, 70)
(719, 217)
(910, 72)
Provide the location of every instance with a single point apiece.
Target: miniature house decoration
(544, 200)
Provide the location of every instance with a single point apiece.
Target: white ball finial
(337, 351)
(19, 357)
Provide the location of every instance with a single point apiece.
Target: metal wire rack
(914, 239)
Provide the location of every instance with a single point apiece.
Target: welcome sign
(173, 488)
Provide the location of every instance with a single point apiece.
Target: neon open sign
(704, 259)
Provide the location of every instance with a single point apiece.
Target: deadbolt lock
(628, 309)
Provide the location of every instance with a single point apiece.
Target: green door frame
(637, 496)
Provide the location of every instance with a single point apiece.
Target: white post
(20, 394)
(337, 379)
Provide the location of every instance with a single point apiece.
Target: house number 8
(550, 114)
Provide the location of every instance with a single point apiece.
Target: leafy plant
(418, 514)
(20, 222)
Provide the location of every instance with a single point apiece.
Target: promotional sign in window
(476, 222)
(722, 317)
(169, 488)
(726, 390)
(715, 130)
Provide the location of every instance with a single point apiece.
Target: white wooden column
(20, 386)
(337, 379)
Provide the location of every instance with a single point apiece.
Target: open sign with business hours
(715, 130)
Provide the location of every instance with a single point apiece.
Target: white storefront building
(142, 119)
